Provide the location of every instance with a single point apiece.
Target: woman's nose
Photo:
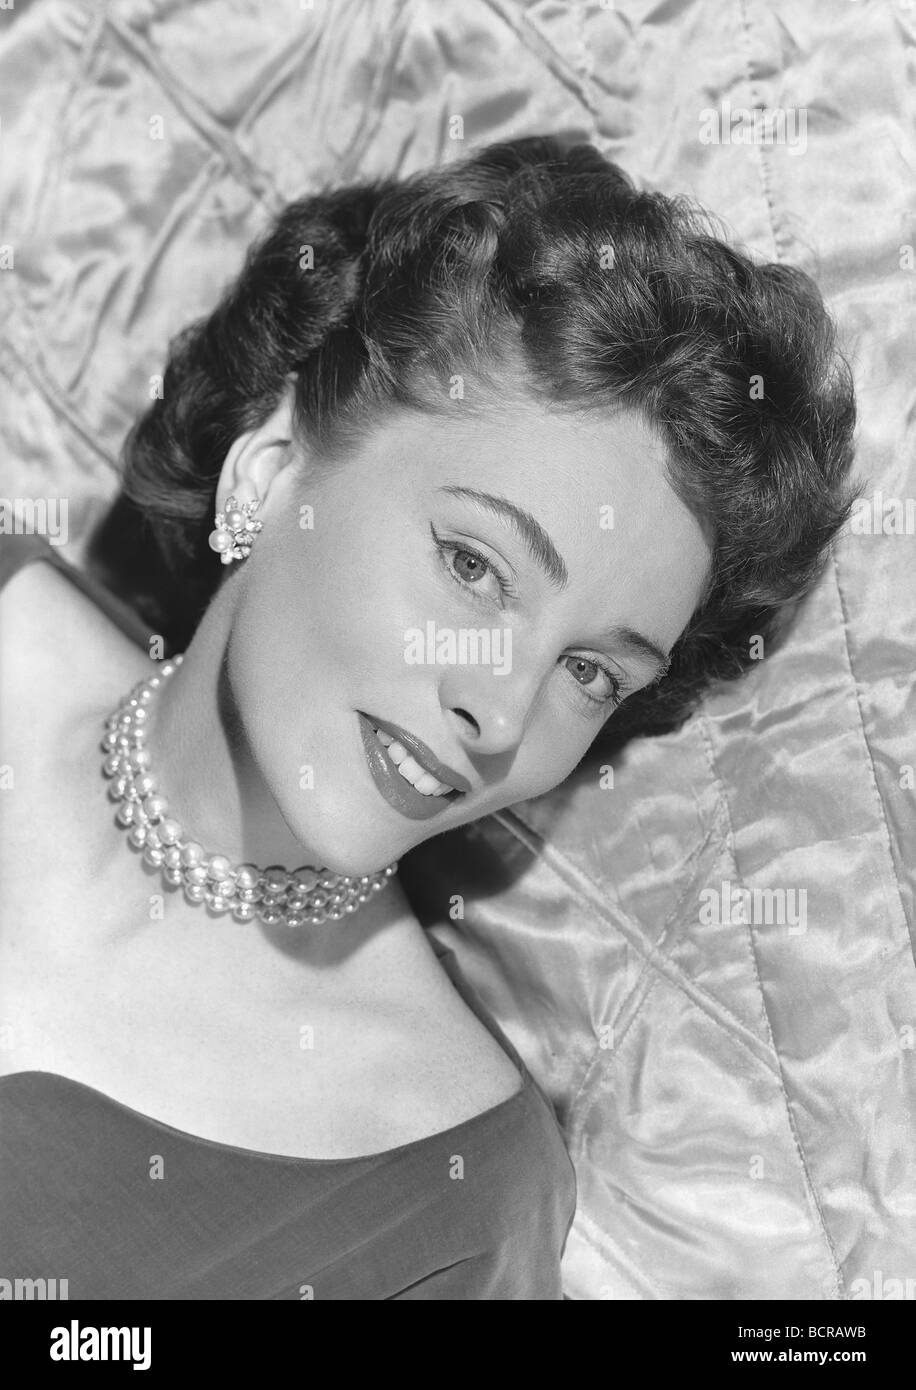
(490, 711)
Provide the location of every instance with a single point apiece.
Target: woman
(463, 474)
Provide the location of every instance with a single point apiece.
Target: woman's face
(384, 605)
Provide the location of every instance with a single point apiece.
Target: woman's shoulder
(61, 656)
(55, 636)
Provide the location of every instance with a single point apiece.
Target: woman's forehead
(587, 498)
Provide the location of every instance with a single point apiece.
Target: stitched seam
(879, 800)
(214, 135)
(793, 1130)
(591, 900)
(599, 1240)
(766, 186)
(767, 191)
(46, 387)
(586, 69)
(555, 62)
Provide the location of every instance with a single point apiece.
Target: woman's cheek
(389, 614)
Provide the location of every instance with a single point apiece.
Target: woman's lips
(396, 790)
(421, 754)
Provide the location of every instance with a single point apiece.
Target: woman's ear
(257, 458)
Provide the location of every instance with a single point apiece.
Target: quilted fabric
(737, 1088)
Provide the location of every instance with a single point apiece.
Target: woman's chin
(357, 867)
(347, 853)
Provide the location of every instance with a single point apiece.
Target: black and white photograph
(458, 661)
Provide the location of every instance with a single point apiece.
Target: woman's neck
(202, 762)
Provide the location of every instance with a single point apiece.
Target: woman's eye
(469, 566)
(585, 672)
(469, 569)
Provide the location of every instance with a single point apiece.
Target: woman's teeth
(410, 769)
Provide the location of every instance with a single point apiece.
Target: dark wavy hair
(542, 269)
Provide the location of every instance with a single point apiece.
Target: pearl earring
(235, 530)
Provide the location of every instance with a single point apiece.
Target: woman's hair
(542, 270)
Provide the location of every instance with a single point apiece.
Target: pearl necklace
(304, 897)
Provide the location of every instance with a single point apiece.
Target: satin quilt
(704, 947)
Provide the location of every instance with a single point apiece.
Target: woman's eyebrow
(546, 556)
(540, 546)
(638, 645)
